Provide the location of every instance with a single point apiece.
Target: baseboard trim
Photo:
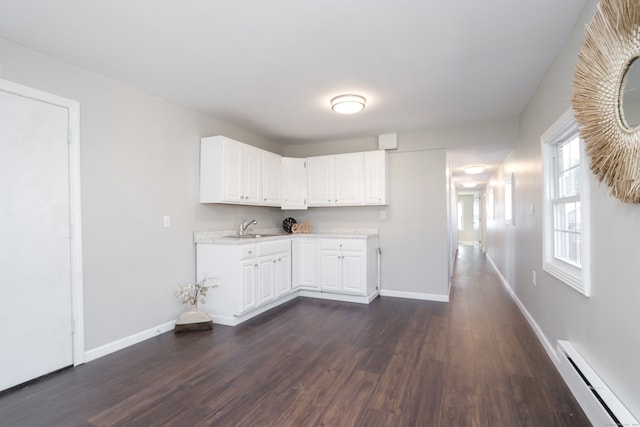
(125, 342)
(414, 295)
(534, 325)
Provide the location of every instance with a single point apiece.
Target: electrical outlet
(383, 214)
(533, 277)
(166, 221)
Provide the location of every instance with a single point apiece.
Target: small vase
(193, 320)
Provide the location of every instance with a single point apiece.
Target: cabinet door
(252, 175)
(353, 272)
(320, 181)
(249, 299)
(267, 268)
(375, 171)
(283, 275)
(304, 255)
(271, 179)
(232, 181)
(294, 183)
(331, 271)
(348, 179)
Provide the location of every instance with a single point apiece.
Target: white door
(35, 247)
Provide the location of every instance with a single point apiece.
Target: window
(566, 203)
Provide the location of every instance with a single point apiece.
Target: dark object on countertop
(287, 223)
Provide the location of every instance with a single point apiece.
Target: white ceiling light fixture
(469, 184)
(473, 170)
(348, 104)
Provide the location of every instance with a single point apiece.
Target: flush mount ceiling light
(473, 170)
(348, 104)
(469, 184)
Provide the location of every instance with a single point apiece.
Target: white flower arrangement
(193, 293)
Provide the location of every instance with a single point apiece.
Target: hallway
(397, 362)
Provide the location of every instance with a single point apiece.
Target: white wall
(139, 161)
(604, 327)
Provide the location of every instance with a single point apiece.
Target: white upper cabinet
(233, 172)
(271, 179)
(375, 177)
(294, 183)
(353, 179)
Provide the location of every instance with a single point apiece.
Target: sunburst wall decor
(612, 44)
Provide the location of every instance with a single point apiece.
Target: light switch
(167, 221)
(383, 214)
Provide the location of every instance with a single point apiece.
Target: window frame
(575, 276)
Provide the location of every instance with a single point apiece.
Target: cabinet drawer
(248, 252)
(275, 247)
(343, 244)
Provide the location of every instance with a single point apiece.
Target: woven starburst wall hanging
(611, 46)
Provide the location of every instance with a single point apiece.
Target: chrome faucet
(243, 226)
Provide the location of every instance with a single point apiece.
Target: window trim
(577, 277)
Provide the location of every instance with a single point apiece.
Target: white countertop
(228, 237)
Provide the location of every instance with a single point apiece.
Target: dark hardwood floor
(397, 362)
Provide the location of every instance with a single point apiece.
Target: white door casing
(40, 248)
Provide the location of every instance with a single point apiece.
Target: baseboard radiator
(597, 401)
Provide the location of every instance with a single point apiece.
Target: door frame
(75, 217)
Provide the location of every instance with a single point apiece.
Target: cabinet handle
(255, 265)
(340, 245)
(250, 252)
(275, 260)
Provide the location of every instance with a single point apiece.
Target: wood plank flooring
(397, 362)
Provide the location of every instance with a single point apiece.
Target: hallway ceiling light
(469, 184)
(473, 170)
(348, 104)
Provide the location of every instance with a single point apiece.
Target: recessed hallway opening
(397, 362)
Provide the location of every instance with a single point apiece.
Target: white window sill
(567, 273)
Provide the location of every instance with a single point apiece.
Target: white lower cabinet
(248, 276)
(257, 276)
(344, 265)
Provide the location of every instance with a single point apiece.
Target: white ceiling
(271, 67)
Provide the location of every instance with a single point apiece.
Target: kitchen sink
(253, 236)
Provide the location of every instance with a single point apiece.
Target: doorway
(470, 218)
